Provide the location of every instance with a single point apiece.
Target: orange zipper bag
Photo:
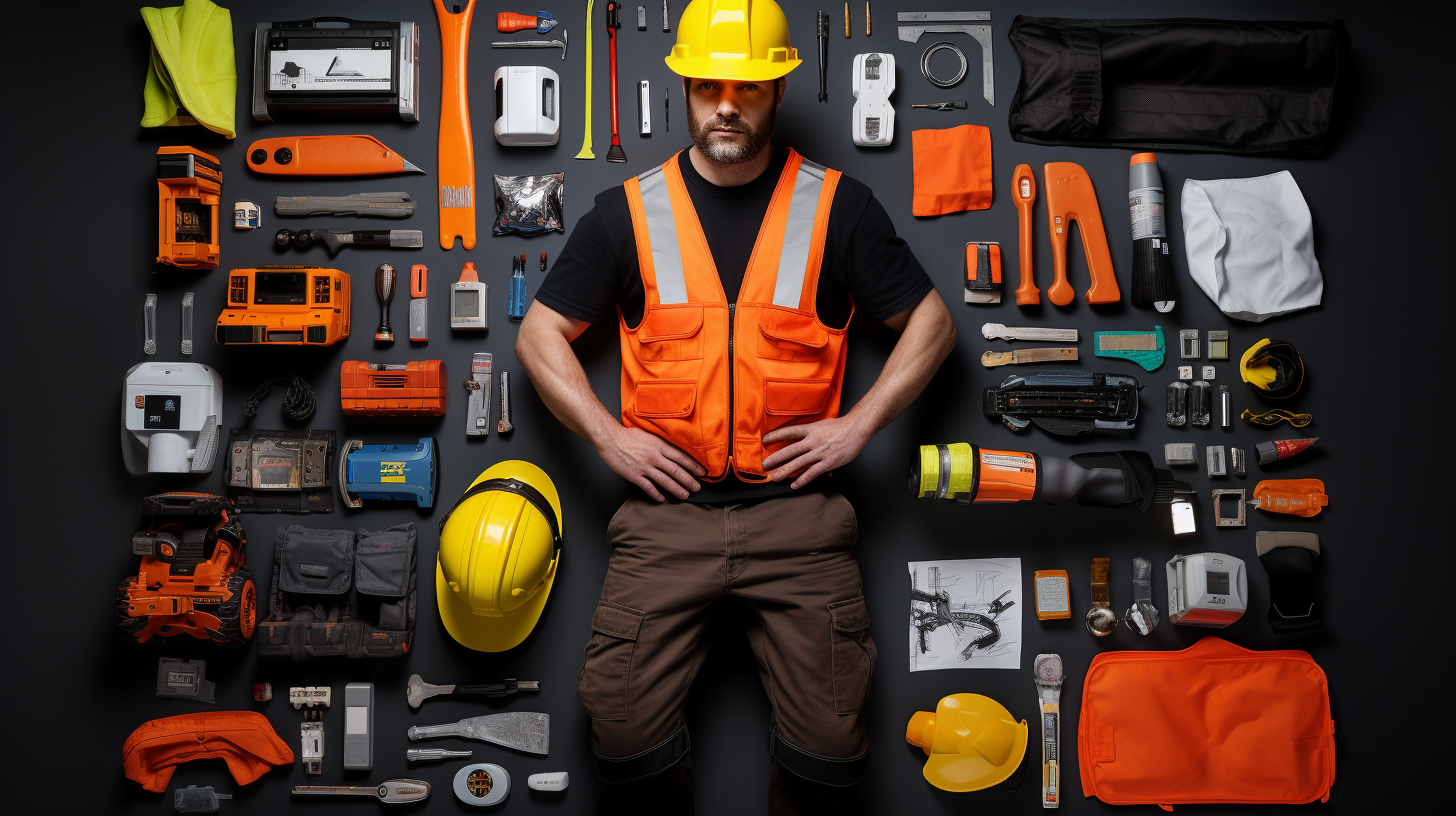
(1213, 723)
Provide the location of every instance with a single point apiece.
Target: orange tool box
(416, 388)
(189, 191)
(285, 306)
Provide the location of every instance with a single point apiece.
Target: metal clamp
(1236, 520)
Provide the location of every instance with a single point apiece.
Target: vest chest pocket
(671, 333)
(790, 335)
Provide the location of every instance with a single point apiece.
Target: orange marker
(1069, 198)
(1024, 194)
(356, 155)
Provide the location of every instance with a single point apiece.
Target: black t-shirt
(865, 263)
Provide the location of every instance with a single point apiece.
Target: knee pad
(651, 762)
(835, 771)
(1289, 559)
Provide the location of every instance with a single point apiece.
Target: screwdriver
(954, 104)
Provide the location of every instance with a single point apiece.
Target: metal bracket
(1219, 519)
(980, 33)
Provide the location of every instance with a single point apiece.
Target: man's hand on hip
(647, 461)
(821, 447)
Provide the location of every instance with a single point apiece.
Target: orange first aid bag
(952, 170)
(1213, 723)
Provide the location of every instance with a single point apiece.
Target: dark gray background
(82, 188)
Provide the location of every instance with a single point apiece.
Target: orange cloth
(952, 170)
(243, 739)
(1212, 723)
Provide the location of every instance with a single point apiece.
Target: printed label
(344, 69)
(1008, 461)
(1146, 208)
(391, 472)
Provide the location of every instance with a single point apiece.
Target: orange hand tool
(457, 153)
(1024, 194)
(614, 153)
(357, 155)
(1069, 198)
(509, 21)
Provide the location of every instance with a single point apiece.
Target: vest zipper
(732, 396)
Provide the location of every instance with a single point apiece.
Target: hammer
(417, 691)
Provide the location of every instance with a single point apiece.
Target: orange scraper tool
(326, 156)
(1070, 197)
(1024, 194)
(457, 154)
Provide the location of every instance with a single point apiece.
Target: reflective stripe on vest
(793, 256)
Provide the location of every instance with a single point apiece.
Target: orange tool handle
(509, 21)
(355, 155)
(612, 26)
(418, 277)
(457, 152)
(1023, 192)
(1071, 197)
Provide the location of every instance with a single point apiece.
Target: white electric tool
(526, 113)
(169, 418)
(1207, 589)
(874, 117)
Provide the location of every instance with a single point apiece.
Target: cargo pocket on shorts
(606, 665)
(852, 654)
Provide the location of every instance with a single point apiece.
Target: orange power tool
(357, 155)
(1023, 192)
(457, 153)
(1070, 197)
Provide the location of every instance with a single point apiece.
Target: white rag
(1250, 245)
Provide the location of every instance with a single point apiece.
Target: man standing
(732, 271)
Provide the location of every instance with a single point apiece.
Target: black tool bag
(337, 593)
(1222, 85)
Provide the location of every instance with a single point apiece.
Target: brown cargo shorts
(792, 561)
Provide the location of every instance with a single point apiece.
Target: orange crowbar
(456, 163)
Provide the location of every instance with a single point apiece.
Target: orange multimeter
(189, 191)
(285, 305)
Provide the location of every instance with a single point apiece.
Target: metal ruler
(992, 359)
(994, 331)
(980, 33)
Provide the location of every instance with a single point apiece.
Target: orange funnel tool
(456, 162)
(326, 156)
(1070, 197)
(1023, 192)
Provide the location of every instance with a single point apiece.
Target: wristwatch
(1049, 694)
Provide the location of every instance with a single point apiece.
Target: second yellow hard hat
(743, 40)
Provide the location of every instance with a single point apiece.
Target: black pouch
(1227, 86)
(338, 594)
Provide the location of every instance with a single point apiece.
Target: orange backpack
(1212, 723)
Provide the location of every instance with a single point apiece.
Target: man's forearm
(925, 341)
(546, 354)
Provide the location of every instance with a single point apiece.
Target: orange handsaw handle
(457, 153)
(357, 155)
(1070, 198)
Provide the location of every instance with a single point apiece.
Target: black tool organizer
(1375, 351)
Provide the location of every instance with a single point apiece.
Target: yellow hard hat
(973, 742)
(500, 546)
(744, 40)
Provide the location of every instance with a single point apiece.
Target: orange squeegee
(357, 155)
(1069, 198)
(457, 154)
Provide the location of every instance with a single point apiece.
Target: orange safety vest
(712, 377)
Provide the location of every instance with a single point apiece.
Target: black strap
(519, 488)
(651, 762)
(834, 771)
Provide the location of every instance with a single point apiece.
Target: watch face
(1049, 668)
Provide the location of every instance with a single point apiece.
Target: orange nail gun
(1070, 197)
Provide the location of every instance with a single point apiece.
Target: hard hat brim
(483, 633)
(734, 70)
(962, 773)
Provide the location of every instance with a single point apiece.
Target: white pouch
(1250, 245)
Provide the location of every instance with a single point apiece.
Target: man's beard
(734, 152)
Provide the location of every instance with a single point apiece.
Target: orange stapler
(326, 156)
(1070, 197)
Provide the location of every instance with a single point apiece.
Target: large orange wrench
(456, 162)
(1070, 198)
(1023, 192)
